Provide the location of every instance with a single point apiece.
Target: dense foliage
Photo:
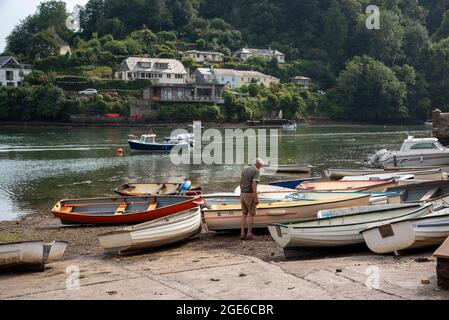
(397, 73)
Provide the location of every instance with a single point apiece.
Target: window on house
(178, 76)
(10, 84)
(146, 65)
(168, 76)
(160, 75)
(9, 76)
(129, 75)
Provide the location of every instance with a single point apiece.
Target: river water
(40, 166)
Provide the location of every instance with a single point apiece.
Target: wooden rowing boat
(292, 184)
(420, 192)
(420, 172)
(30, 255)
(149, 189)
(164, 231)
(121, 210)
(341, 229)
(356, 186)
(227, 216)
(270, 192)
(430, 230)
(402, 176)
(290, 168)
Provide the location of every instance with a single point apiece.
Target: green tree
(370, 91)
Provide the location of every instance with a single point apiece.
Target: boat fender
(186, 185)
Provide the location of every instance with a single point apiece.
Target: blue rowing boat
(292, 184)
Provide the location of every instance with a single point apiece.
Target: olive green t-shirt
(249, 175)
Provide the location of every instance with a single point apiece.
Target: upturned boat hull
(161, 232)
(228, 217)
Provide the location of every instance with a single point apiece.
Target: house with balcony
(302, 81)
(12, 72)
(159, 71)
(233, 79)
(246, 53)
(204, 56)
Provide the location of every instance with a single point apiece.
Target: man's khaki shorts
(248, 204)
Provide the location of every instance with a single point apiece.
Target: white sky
(12, 11)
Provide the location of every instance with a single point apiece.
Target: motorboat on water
(147, 142)
(414, 152)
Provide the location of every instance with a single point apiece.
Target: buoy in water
(120, 152)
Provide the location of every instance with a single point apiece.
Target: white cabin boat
(414, 152)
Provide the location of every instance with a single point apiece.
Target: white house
(301, 81)
(12, 72)
(232, 78)
(245, 53)
(204, 56)
(160, 71)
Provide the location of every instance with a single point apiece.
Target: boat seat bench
(429, 194)
(121, 209)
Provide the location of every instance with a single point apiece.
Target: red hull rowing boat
(121, 210)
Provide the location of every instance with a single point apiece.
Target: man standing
(249, 198)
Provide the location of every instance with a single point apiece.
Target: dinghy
(164, 231)
(270, 192)
(436, 174)
(148, 189)
(419, 172)
(121, 210)
(430, 230)
(292, 184)
(341, 228)
(356, 186)
(425, 191)
(290, 168)
(30, 255)
(227, 216)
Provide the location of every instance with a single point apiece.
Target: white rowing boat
(227, 216)
(341, 228)
(157, 233)
(353, 186)
(30, 255)
(427, 231)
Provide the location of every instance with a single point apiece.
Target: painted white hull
(229, 217)
(420, 173)
(32, 255)
(337, 231)
(157, 233)
(419, 233)
(398, 159)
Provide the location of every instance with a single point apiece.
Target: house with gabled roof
(12, 72)
(246, 53)
(158, 70)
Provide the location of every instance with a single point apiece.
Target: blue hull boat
(292, 184)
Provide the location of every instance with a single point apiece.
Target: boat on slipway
(426, 231)
(292, 184)
(356, 186)
(30, 255)
(160, 232)
(227, 216)
(145, 189)
(121, 210)
(339, 228)
(422, 192)
(419, 172)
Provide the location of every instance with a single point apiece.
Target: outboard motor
(373, 160)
